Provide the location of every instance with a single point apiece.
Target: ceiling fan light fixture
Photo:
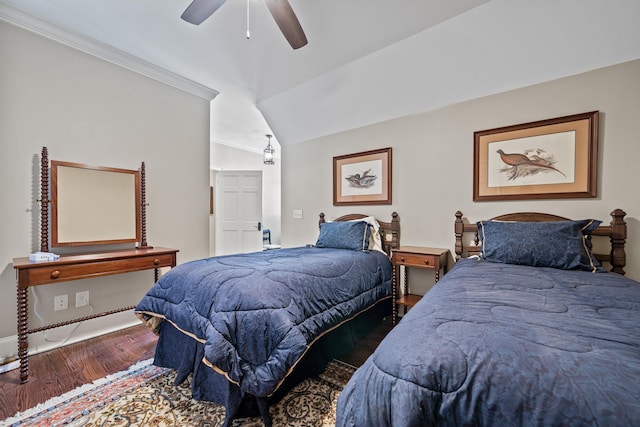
(269, 157)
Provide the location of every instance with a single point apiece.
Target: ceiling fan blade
(199, 10)
(288, 22)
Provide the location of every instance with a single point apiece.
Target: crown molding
(103, 51)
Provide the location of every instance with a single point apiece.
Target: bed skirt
(178, 351)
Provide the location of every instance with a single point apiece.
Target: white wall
(90, 111)
(433, 161)
(224, 157)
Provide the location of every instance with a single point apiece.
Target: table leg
(23, 340)
(394, 295)
(405, 284)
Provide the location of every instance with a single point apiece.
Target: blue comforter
(502, 345)
(256, 314)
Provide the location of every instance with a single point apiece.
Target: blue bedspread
(503, 345)
(257, 313)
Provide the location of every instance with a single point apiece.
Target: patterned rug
(145, 395)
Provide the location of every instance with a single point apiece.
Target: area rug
(145, 395)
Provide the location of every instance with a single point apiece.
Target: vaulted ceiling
(366, 60)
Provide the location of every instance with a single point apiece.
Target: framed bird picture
(362, 178)
(547, 159)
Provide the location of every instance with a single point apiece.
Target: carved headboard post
(460, 228)
(459, 231)
(618, 238)
(321, 220)
(44, 200)
(395, 230)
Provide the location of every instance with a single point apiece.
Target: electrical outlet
(297, 214)
(82, 298)
(60, 302)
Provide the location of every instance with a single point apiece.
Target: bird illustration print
(521, 165)
(365, 180)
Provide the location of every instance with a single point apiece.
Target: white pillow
(375, 241)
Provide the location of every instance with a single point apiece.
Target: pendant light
(269, 153)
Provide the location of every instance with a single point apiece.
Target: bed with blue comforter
(240, 324)
(501, 342)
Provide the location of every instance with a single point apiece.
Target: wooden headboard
(616, 231)
(389, 231)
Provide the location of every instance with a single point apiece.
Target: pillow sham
(352, 235)
(557, 244)
(375, 241)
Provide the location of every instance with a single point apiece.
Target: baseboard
(9, 366)
(8, 349)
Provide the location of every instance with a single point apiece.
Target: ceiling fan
(281, 10)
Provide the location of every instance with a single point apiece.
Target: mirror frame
(87, 197)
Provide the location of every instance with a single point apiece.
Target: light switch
(297, 214)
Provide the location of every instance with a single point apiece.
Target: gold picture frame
(362, 178)
(547, 159)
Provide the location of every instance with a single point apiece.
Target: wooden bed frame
(616, 231)
(389, 231)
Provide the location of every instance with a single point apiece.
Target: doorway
(238, 222)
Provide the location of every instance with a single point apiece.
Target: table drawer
(63, 273)
(415, 260)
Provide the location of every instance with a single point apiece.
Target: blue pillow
(352, 235)
(557, 244)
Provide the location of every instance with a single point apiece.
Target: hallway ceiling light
(269, 153)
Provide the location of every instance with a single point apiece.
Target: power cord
(43, 323)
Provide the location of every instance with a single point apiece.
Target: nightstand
(416, 257)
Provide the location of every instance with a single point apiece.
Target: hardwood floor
(58, 371)
(365, 347)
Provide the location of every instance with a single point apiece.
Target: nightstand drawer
(414, 260)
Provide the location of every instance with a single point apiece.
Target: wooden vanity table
(91, 206)
(75, 267)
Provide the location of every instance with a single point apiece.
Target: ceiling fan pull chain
(248, 32)
(281, 11)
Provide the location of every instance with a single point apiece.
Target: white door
(238, 212)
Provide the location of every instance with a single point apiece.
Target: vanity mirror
(91, 205)
(94, 205)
